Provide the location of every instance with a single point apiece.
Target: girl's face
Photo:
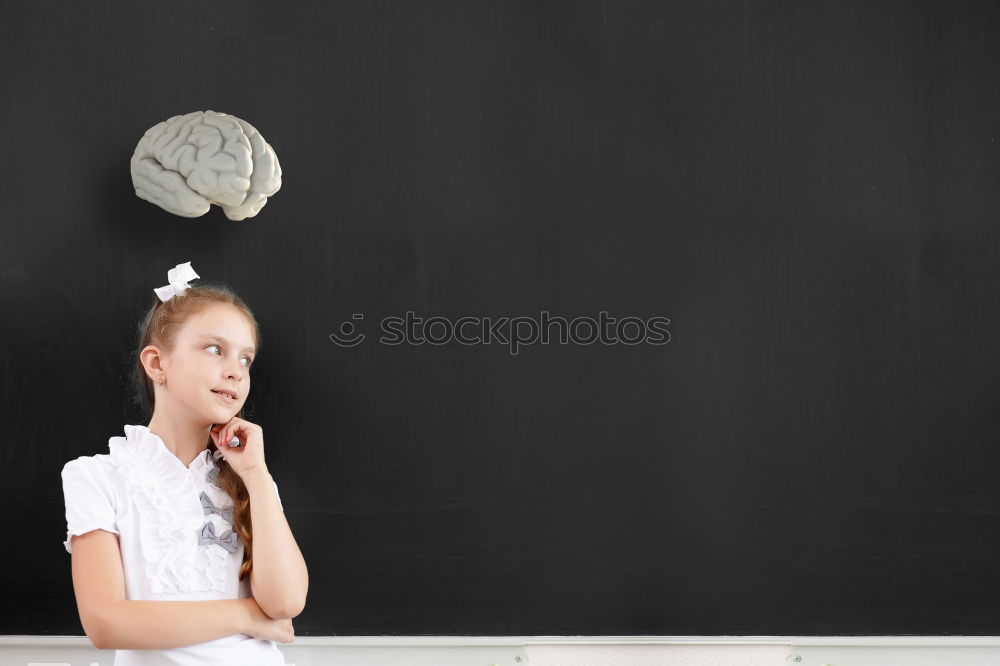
(212, 354)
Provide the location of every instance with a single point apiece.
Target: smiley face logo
(349, 336)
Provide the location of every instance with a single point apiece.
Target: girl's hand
(263, 626)
(245, 459)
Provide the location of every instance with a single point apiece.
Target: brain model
(188, 162)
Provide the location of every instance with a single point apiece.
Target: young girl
(163, 552)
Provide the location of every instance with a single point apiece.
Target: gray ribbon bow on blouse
(229, 540)
(207, 506)
(213, 476)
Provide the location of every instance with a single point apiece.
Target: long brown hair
(159, 327)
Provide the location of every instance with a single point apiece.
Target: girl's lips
(225, 397)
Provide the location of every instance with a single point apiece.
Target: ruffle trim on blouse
(171, 516)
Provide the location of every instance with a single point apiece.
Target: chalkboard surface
(804, 195)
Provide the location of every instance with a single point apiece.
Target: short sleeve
(276, 494)
(89, 499)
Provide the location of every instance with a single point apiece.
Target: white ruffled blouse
(174, 527)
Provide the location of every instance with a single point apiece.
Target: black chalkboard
(805, 191)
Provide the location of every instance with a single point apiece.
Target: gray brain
(186, 163)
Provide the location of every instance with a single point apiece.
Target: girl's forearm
(139, 625)
(279, 580)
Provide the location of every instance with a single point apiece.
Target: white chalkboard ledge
(568, 651)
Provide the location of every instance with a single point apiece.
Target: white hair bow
(178, 277)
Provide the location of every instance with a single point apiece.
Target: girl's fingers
(217, 433)
(231, 427)
(236, 428)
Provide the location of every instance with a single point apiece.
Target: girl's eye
(249, 360)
